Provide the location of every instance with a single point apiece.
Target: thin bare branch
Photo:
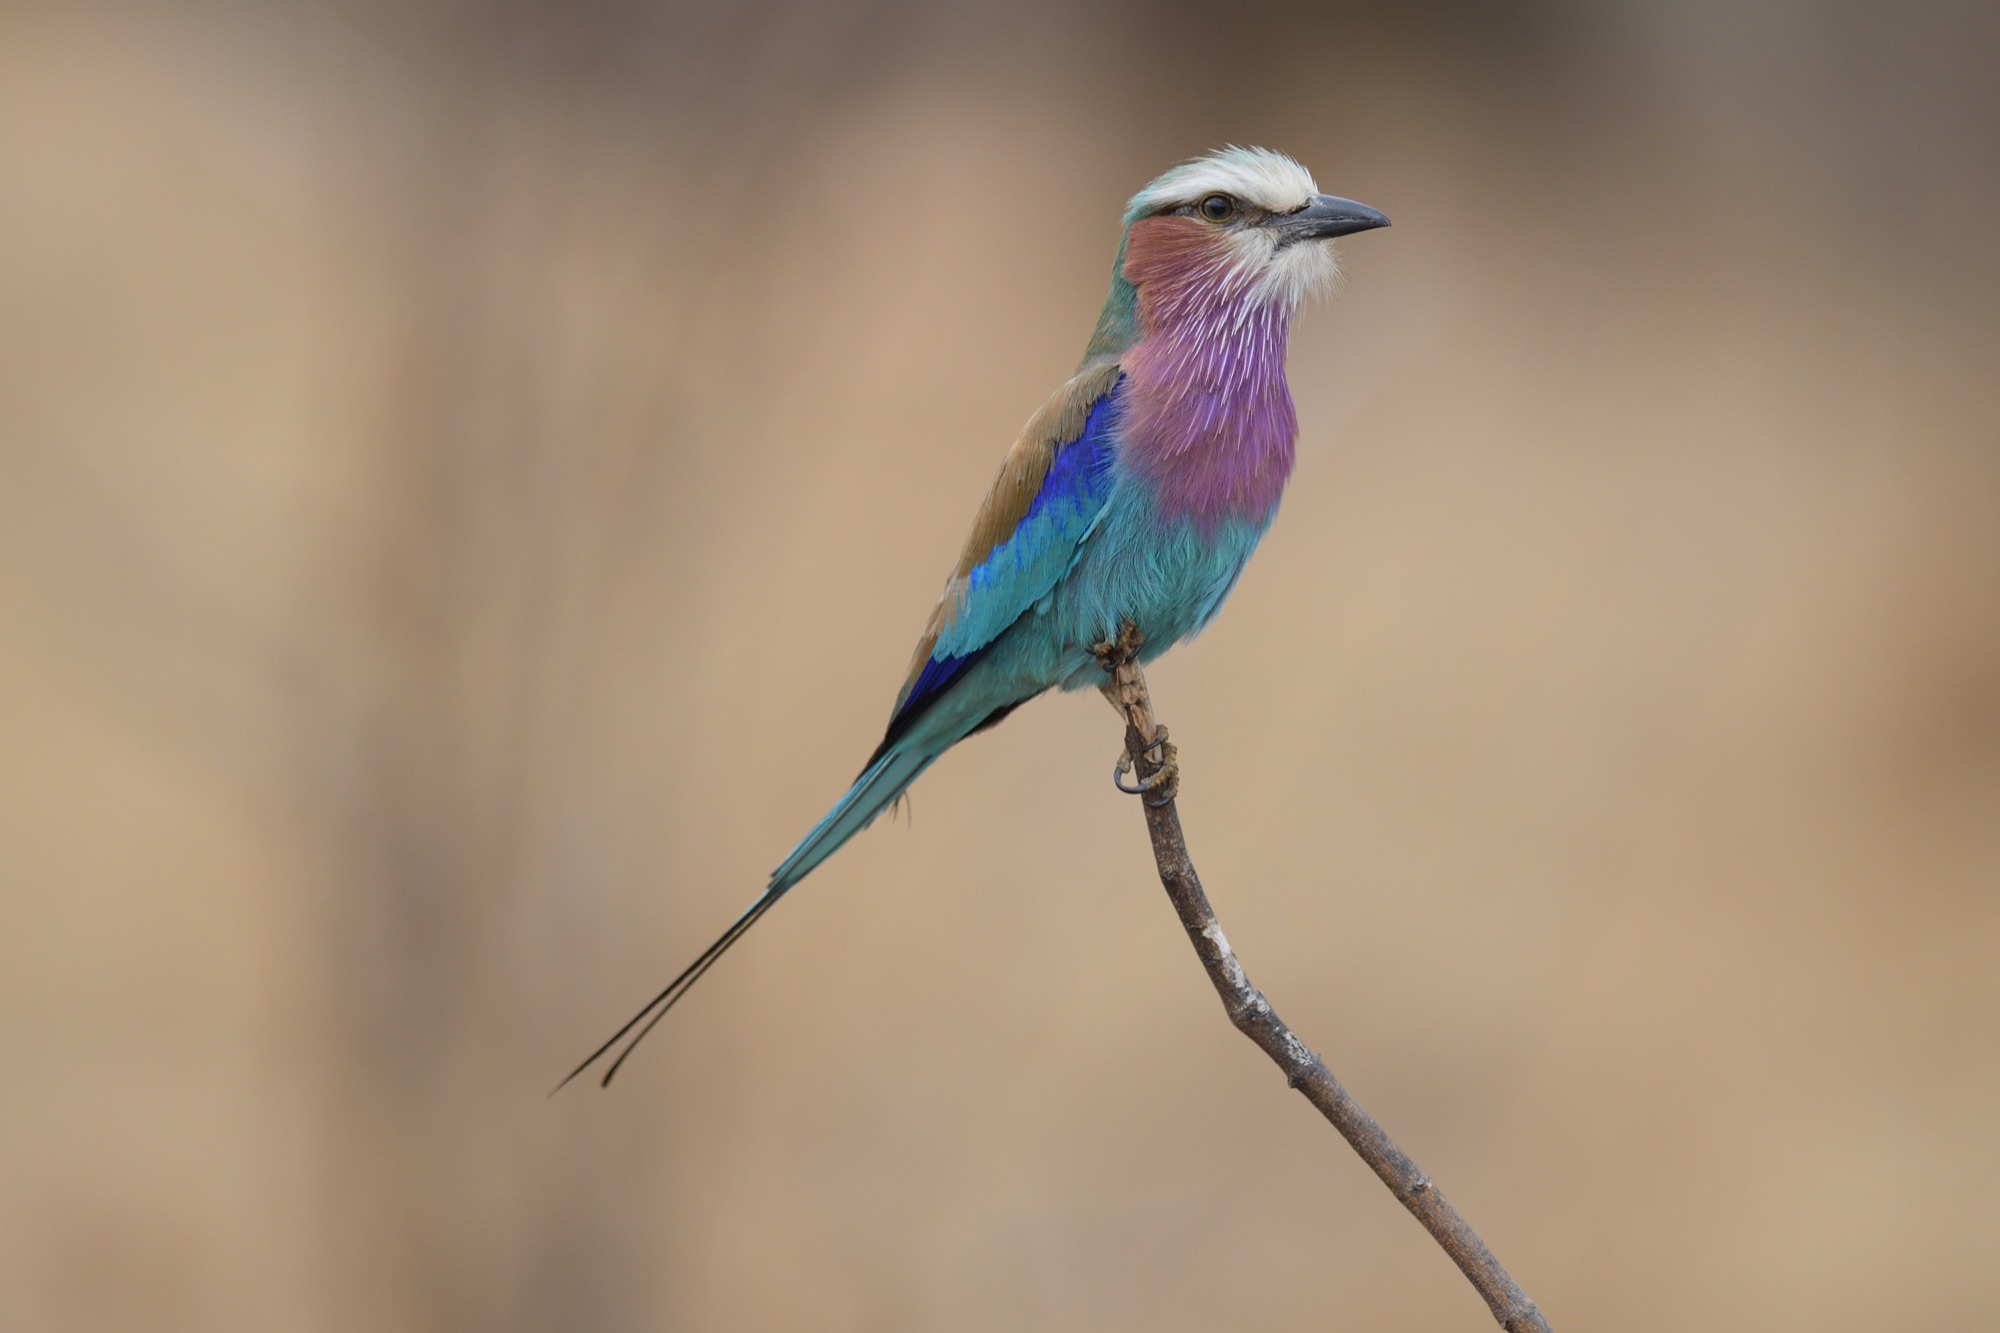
(1149, 754)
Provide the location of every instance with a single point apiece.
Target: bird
(1133, 497)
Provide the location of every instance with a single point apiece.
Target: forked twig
(1254, 1017)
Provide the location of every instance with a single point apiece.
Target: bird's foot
(1115, 653)
(1163, 783)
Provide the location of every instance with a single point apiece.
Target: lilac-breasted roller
(1135, 494)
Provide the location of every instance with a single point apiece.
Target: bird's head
(1241, 225)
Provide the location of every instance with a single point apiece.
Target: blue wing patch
(1022, 570)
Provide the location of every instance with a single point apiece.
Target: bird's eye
(1217, 208)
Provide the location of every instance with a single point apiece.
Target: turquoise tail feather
(888, 777)
(872, 793)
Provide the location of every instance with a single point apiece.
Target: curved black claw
(1166, 779)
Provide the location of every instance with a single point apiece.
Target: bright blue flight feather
(1022, 570)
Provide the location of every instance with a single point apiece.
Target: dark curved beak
(1326, 216)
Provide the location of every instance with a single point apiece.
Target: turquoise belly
(1167, 578)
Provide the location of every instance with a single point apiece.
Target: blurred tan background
(470, 474)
